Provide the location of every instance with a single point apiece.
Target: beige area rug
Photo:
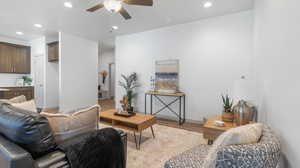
(168, 142)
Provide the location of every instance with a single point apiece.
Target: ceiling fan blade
(139, 2)
(93, 9)
(124, 13)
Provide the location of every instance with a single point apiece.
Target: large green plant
(129, 83)
(227, 103)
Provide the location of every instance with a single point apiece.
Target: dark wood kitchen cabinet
(27, 91)
(53, 51)
(15, 58)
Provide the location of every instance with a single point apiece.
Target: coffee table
(136, 123)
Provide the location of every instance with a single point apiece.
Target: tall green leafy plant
(129, 83)
(227, 103)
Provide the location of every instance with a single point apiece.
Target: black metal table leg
(136, 145)
(180, 122)
(139, 146)
(210, 142)
(145, 103)
(151, 104)
(152, 132)
(184, 109)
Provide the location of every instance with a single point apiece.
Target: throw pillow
(246, 134)
(65, 126)
(28, 105)
(18, 99)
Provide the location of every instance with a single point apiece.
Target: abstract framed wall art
(167, 76)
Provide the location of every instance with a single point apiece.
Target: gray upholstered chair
(264, 154)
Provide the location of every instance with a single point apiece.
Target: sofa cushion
(27, 105)
(246, 134)
(265, 153)
(66, 126)
(192, 158)
(18, 99)
(29, 130)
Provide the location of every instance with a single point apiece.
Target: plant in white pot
(228, 114)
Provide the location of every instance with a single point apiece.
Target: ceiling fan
(115, 6)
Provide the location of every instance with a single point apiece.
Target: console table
(178, 98)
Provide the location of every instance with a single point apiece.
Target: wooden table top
(210, 124)
(136, 120)
(166, 94)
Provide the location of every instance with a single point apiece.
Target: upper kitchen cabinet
(53, 51)
(14, 58)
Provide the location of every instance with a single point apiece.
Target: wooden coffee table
(136, 123)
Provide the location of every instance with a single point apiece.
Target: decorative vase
(227, 116)
(130, 109)
(243, 113)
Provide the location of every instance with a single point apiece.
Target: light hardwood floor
(110, 104)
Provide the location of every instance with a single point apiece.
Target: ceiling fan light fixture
(68, 4)
(207, 4)
(19, 33)
(115, 27)
(113, 5)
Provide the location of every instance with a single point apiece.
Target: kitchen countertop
(4, 90)
(4, 87)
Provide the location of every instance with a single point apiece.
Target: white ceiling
(20, 15)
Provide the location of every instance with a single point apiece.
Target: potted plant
(104, 75)
(129, 83)
(227, 115)
(27, 80)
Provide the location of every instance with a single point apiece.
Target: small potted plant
(227, 115)
(129, 83)
(27, 80)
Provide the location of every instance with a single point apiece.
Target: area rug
(168, 142)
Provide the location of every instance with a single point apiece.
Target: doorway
(38, 65)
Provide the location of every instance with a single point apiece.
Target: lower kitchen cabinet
(27, 91)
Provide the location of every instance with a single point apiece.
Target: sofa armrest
(13, 156)
(260, 155)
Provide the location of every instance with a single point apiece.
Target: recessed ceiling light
(38, 25)
(19, 33)
(68, 4)
(207, 4)
(115, 27)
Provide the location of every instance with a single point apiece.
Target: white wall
(8, 80)
(213, 54)
(52, 78)
(277, 61)
(78, 76)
